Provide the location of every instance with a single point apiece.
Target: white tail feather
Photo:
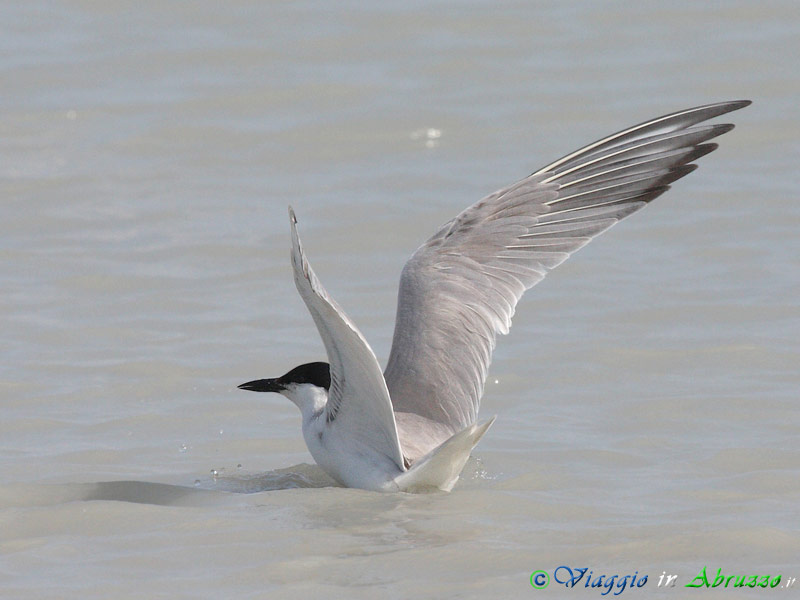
(440, 468)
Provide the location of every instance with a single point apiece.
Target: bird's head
(307, 386)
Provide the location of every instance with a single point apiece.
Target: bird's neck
(311, 400)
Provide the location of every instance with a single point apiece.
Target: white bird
(413, 426)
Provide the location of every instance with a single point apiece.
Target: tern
(412, 427)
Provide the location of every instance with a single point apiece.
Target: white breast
(343, 459)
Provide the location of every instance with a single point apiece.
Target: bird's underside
(460, 288)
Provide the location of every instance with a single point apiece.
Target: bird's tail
(440, 468)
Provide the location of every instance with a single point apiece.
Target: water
(647, 397)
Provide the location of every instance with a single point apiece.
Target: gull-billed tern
(413, 426)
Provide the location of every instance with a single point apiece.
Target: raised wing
(358, 400)
(460, 288)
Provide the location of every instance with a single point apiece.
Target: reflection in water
(298, 476)
(164, 494)
(209, 492)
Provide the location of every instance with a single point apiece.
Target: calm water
(647, 397)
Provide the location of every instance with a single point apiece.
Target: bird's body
(413, 426)
(346, 459)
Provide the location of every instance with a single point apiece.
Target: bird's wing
(358, 401)
(459, 289)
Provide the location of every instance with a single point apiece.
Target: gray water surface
(647, 396)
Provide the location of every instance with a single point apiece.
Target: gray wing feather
(460, 288)
(358, 402)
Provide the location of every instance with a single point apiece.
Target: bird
(412, 426)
